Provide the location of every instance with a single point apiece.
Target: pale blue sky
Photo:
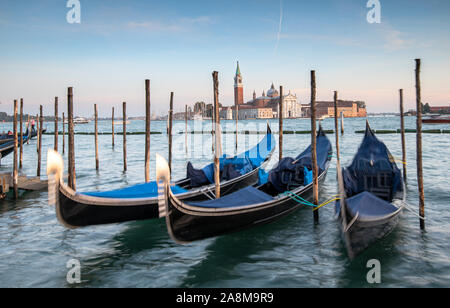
(177, 44)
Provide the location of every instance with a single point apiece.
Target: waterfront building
(350, 109)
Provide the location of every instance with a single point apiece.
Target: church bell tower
(238, 87)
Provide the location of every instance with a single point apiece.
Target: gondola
(8, 147)
(5, 138)
(374, 195)
(140, 202)
(267, 201)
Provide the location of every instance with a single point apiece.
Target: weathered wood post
(71, 156)
(341, 188)
(419, 147)
(56, 124)
(186, 129)
(21, 134)
(15, 166)
(125, 167)
(41, 123)
(64, 134)
(212, 130)
(38, 120)
(170, 130)
(280, 119)
(342, 122)
(216, 129)
(313, 146)
(147, 130)
(97, 164)
(336, 125)
(112, 127)
(402, 128)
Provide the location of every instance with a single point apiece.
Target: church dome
(272, 91)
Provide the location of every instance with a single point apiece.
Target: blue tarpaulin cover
(242, 163)
(372, 160)
(369, 206)
(245, 196)
(290, 173)
(147, 190)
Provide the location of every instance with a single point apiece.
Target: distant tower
(254, 95)
(238, 87)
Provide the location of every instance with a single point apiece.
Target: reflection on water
(292, 252)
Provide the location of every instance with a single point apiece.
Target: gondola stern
(165, 196)
(163, 180)
(55, 167)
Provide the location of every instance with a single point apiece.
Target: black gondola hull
(363, 234)
(74, 211)
(8, 148)
(186, 228)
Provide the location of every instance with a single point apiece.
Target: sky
(178, 44)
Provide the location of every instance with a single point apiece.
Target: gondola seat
(368, 206)
(147, 190)
(246, 196)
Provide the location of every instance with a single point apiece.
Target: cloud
(395, 40)
(179, 25)
(280, 25)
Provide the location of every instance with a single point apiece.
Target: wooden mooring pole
(216, 129)
(21, 134)
(37, 132)
(97, 163)
(125, 167)
(212, 130)
(280, 120)
(15, 166)
(147, 130)
(112, 127)
(419, 147)
(313, 146)
(342, 122)
(64, 134)
(71, 156)
(41, 123)
(402, 128)
(336, 125)
(170, 130)
(56, 125)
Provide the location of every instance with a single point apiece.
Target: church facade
(265, 106)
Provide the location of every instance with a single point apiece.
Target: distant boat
(121, 122)
(437, 119)
(81, 121)
(78, 121)
(198, 117)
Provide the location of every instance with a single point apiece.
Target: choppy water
(293, 252)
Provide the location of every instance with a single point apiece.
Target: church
(265, 106)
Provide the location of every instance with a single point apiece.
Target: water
(293, 252)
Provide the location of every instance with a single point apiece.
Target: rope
(412, 211)
(399, 161)
(300, 200)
